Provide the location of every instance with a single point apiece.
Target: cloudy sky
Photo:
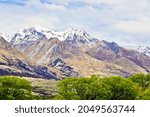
(126, 22)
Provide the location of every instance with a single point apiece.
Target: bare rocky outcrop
(62, 66)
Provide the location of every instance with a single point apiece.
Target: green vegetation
(93, 88)
(141, 80)
(142, 83)
(106, 88)
(13, 88)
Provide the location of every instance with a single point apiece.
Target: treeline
(136, 87)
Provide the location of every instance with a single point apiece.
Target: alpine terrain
(73, 52)
(144, 49)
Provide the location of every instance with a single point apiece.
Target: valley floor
(46, 89)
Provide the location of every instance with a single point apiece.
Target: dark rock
(62, 66)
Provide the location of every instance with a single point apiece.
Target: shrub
(13, 88)
(95, 88)
(142, 80)
(143, 95)
(121, 88)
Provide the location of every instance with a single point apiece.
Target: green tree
(13, 88)
(142, 80)
(67, 90)
(144, 95)
(96, 88)
(142, 83)
(121, 88)
(81, 89)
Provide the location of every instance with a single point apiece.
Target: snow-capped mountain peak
(6, 36)
(62, 36)
(71, 35)
(28, 30)
(27, 35)
(78, 36)
(78, 32)
(144, 49)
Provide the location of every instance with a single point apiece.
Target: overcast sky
(127, 22)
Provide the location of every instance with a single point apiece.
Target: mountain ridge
(76, 52)
(13, 62)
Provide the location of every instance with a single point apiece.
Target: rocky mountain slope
(81, 53)
(112, 52)
(13, 62)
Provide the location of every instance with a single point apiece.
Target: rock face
(19, 68)
(75, 53)
(62, 66)
(112, 52)
(12, 62)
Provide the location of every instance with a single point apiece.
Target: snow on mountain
(144, 49)
(6, 36)
(74, 46)
(27, 35)
(74, 35)
(79, 36)
(53, 34)
(67, 34)
(71, 33)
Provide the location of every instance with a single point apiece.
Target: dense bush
(82, 88)
(120, 88)
(142, 83)
(13, 88)
(142, 80)
(95, 88)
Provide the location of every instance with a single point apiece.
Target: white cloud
(55, 7)
(136, 27)
(116, 20)
(60, 2)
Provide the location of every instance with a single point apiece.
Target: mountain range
(73, 52)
